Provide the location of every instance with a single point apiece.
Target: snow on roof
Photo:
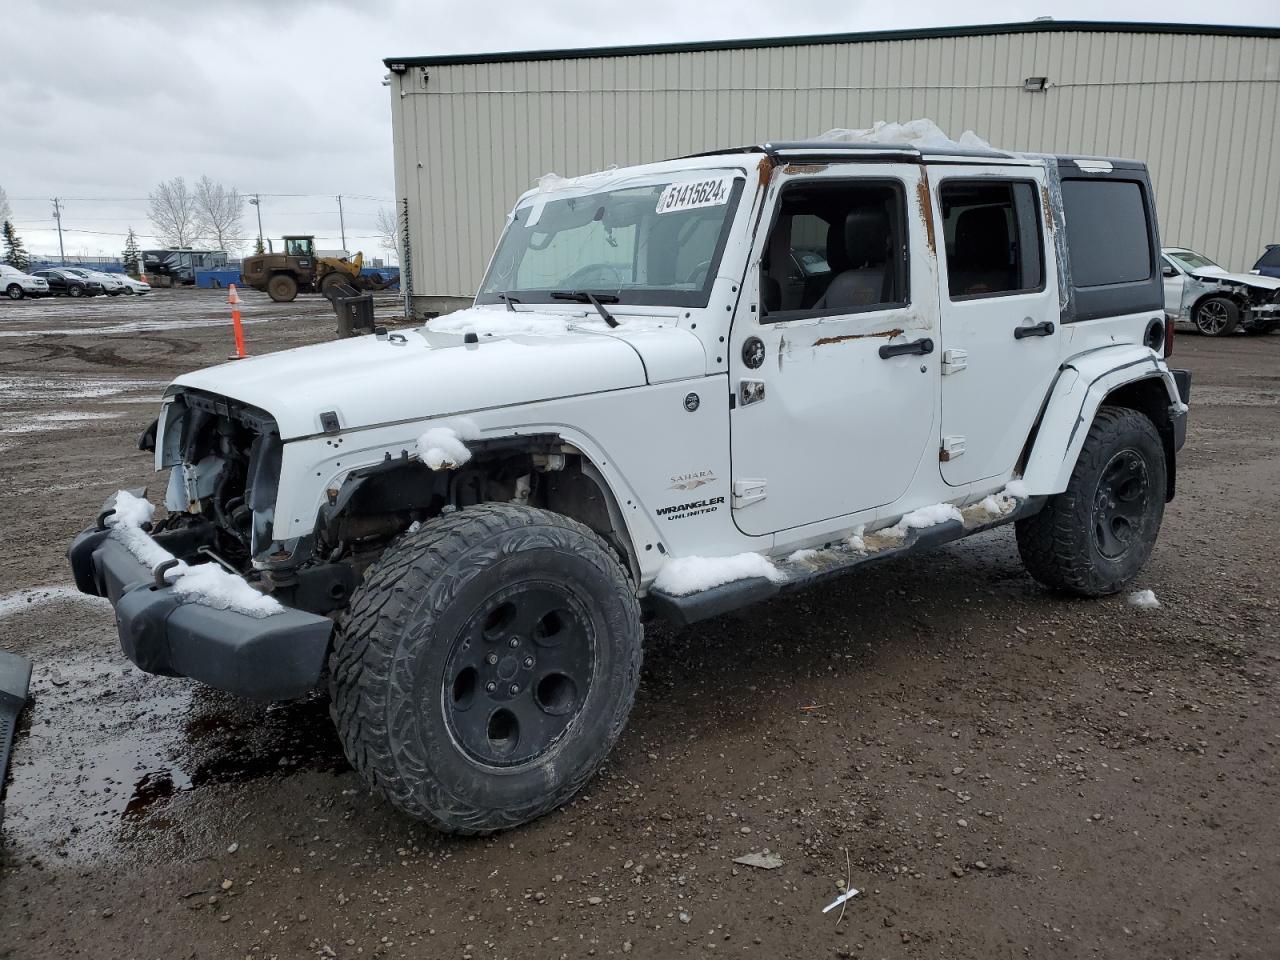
(923, 134)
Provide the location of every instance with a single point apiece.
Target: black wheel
(113, 293)
(282, 288)
(128, 291)
(74, 292)
(486, 666)
(1096, 536)
(1216, 317)
(13, 292)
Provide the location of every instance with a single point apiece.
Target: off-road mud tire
(1216, 316)
(1060, 546)
(388, 668)
(282, 288)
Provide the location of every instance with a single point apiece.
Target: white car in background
(112, 283)
(1214, 301)
(15, 284)
(132, 285)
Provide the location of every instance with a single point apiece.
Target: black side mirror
(1170, 272)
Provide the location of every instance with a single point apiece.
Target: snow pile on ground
(31, 597)
(684, 575)
(1144, 600)
(204, 583)
(443, 446)
(929, 516)
(855, 540)
(923, 134)
(803, 554)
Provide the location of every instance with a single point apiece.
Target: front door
(1001, 330)
(1175, 286)
(833, 358)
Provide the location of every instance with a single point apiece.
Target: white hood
(1214, 274)
(422, 374)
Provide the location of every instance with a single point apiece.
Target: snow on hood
(923, 134)
(490, 322)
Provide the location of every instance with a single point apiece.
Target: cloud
(286, 97)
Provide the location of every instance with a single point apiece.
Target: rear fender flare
(1081, 387)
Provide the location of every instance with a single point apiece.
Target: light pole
(57, 215)
(342, 225)
(258, 206)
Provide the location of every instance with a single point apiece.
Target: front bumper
(273, 658)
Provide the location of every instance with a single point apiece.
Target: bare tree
(173, 211)
(6, 211)
(222, 210)
(388, 231)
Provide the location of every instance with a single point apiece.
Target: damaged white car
(650, 411)
(1214, 301)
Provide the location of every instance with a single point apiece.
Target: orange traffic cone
(233, 298)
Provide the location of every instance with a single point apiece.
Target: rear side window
(993, 240)
(1269, 259)
(1107, 232)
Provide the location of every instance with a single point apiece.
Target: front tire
(14, 292)
(486, 666)
(1096, 536)
(74, 292)
(1216, 317)
(282, 288)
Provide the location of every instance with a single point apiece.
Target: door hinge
(748, 491)
(954, 360)
(952, 447)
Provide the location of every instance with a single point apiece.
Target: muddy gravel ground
(1000, 771)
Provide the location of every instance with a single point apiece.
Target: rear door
(1000, 316)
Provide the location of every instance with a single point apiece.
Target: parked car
(15, 284)
(1268, 264)
(1215, 302)
(458, 528)
(62, 282)
(133, 285)
(112, 283)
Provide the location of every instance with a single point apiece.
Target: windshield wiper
(509, 301)
(582, 296)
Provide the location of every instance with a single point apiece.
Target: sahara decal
(692, 481)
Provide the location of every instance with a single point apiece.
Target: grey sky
(285, 97)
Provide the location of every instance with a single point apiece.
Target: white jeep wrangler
(683, 387)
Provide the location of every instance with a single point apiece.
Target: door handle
(921, 347)
(1044, 329)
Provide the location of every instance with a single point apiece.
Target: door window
(835, 247)
(993, 238)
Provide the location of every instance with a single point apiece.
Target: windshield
(651, 240)
(1191, 261)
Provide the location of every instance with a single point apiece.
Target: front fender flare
(1082, 384)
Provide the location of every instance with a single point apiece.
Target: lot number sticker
(695, 193)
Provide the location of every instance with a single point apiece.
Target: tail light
(1168, 338)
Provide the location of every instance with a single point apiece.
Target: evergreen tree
(259, 246)
(15, 254)
(131, 254)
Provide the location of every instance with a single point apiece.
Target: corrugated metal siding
(1203, 111)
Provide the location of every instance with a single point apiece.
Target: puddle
(53, 388)
(139, 326)
(104, 753)
(64, 420)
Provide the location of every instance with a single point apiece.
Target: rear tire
(486, 666)
(14, 292)
(1216, 317)
(282, 288)
(1097, 535)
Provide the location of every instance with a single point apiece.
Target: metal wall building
(1200, 104)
